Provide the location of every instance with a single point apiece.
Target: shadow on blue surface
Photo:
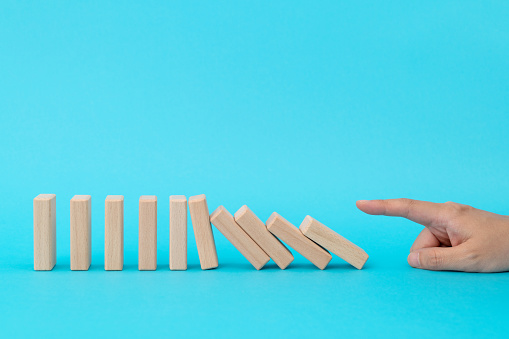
(229, 266)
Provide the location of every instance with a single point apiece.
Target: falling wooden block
(294, 238)
(178, 232)
(114, 233)
(225, 223)
(81, 232)
(257, 230)
(203, 231)
(45, 244)
(147, 233)
(333, 242)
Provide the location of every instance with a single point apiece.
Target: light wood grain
(45, 243)
(178, 232)
(330, 240)
(225, 223)
(203, 232)
(294, 238)
(147, 233)
(114, 233)
(81, 232)
(257, 230)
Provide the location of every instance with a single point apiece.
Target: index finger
(423, 212)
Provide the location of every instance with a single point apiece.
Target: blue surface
(300, 108)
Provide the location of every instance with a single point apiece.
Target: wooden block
(178, 232)
(147, 233)
(114, 233)
(81, 232)
(203, 231)
(45, 244)
(257, 230)
(333, 242)
(294, 238)
(225, 223)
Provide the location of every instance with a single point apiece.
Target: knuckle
(472, 256)
(411, 204)
(407, 205)
(473, 259)
(406, 201)
(434, 260)
(455, 209)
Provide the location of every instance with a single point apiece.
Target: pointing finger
(422, 212)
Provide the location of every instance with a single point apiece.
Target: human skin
(456, 237)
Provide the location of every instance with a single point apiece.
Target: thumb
(439, 259)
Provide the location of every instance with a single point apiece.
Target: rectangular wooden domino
(203, 231)
(114, 233)
(330, 240)
(147, 233)
(81, 232)
(257, 230)
(45, 244)
(225, 223)
(178, 232)
(294, 238)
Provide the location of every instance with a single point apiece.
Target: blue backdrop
(295, 107)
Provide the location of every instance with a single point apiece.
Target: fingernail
(413, 259)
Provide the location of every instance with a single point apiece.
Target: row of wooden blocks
(258, 242)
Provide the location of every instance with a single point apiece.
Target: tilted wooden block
(203, 231)
(257, 230)
(333, 242)
(147, 233)
(178, 232)
(45, 244)
(114, 233)
(294, 238)
(225, 223)
(81, 232)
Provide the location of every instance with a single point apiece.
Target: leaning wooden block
(147, 233)
(333, 242)
(114, 233)
(178, 232)
(257, 230)
(45, 244)
(225, 223)
(203, 231)
(294, 238)
(81, 232)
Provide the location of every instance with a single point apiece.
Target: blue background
(295, 107)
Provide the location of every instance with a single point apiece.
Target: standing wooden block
(81, 232)
(225, 223)
(45, 243)
(257, 230)
(147, 233)
(114, 233)
(178, 232)
(292, 236)
(333, 242)
(203, 231)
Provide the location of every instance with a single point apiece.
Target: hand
(456, 237)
